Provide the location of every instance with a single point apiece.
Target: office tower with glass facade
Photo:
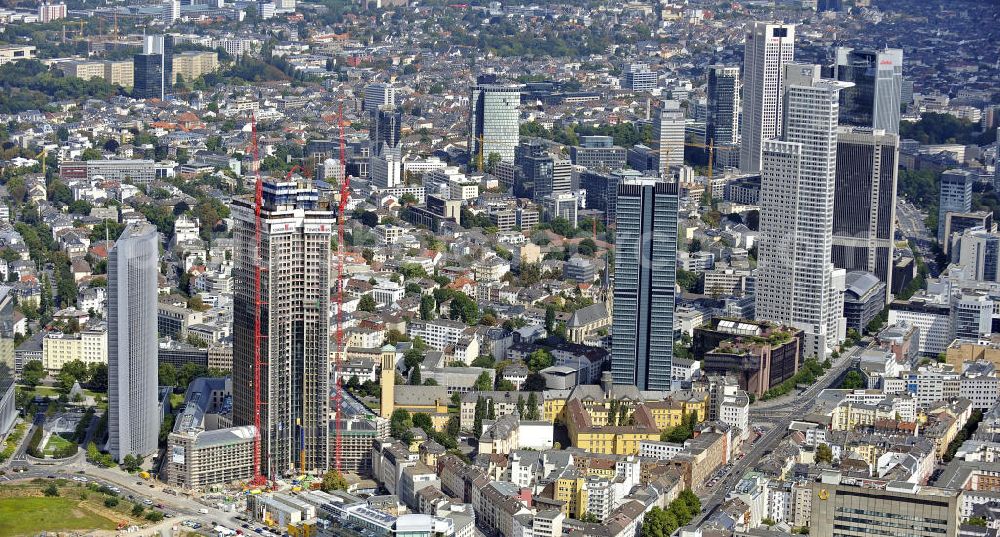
(494, 121)
(864, 204)
(385, 167)
(539, 173)
(644, 291)
(147, 76)
(768, 48)
(955, 197)
(668, 135)
(797, 283)
(723, 122)
(133, 370)
(378, 95)
(874, 100)
(294, 302)
(8, 410)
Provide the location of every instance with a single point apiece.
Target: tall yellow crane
(43, 155)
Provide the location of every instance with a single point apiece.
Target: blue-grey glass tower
(133, 266)
(8, 412)
(645, 274)
(956, 196)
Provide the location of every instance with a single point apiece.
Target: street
(781, 418)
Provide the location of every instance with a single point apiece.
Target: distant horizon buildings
(768, 48)
(294, 305)
(133, 369)
(645, 284)
(494, 121)
(797, 283)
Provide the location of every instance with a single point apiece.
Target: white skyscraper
(133, 266)
(768, 48)
(668, 135)
(797, 283)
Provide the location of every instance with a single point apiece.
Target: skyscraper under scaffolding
(294, 301)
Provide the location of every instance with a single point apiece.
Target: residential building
(48, 12)
(292, 262)
(136, 171)
(932, 319)
(89, 345)
(190, 65)
(645, 274)
(133, 395)
(797, 283)
(769, 47)
(864, 204)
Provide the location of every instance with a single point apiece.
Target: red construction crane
(258, 476)
(338, 395)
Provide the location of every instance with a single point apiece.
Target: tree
(824, 453)
(367, 303)
(483, 383)
(98, 380)
(400, 424)
(852, 381)
(694, 246)
(51, 490)
(540, 359)
(167, 375)
(550, 318)
(427, 307)
(33, 373)
(531, 410)
(138, 510)
(415, 375)
(333, 480)
(480, 413)
(130, 463)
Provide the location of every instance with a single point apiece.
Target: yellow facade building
(192, 64)
(88, 346)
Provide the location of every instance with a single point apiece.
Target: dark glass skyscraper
(864, 204)
(147, 76)
(645, 274)
(723, 123)
(874, 100)
(153, 73)
(384, 129)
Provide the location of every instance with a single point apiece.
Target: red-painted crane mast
(345, 190)
(258, 476)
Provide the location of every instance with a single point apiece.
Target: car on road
(138, 483)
